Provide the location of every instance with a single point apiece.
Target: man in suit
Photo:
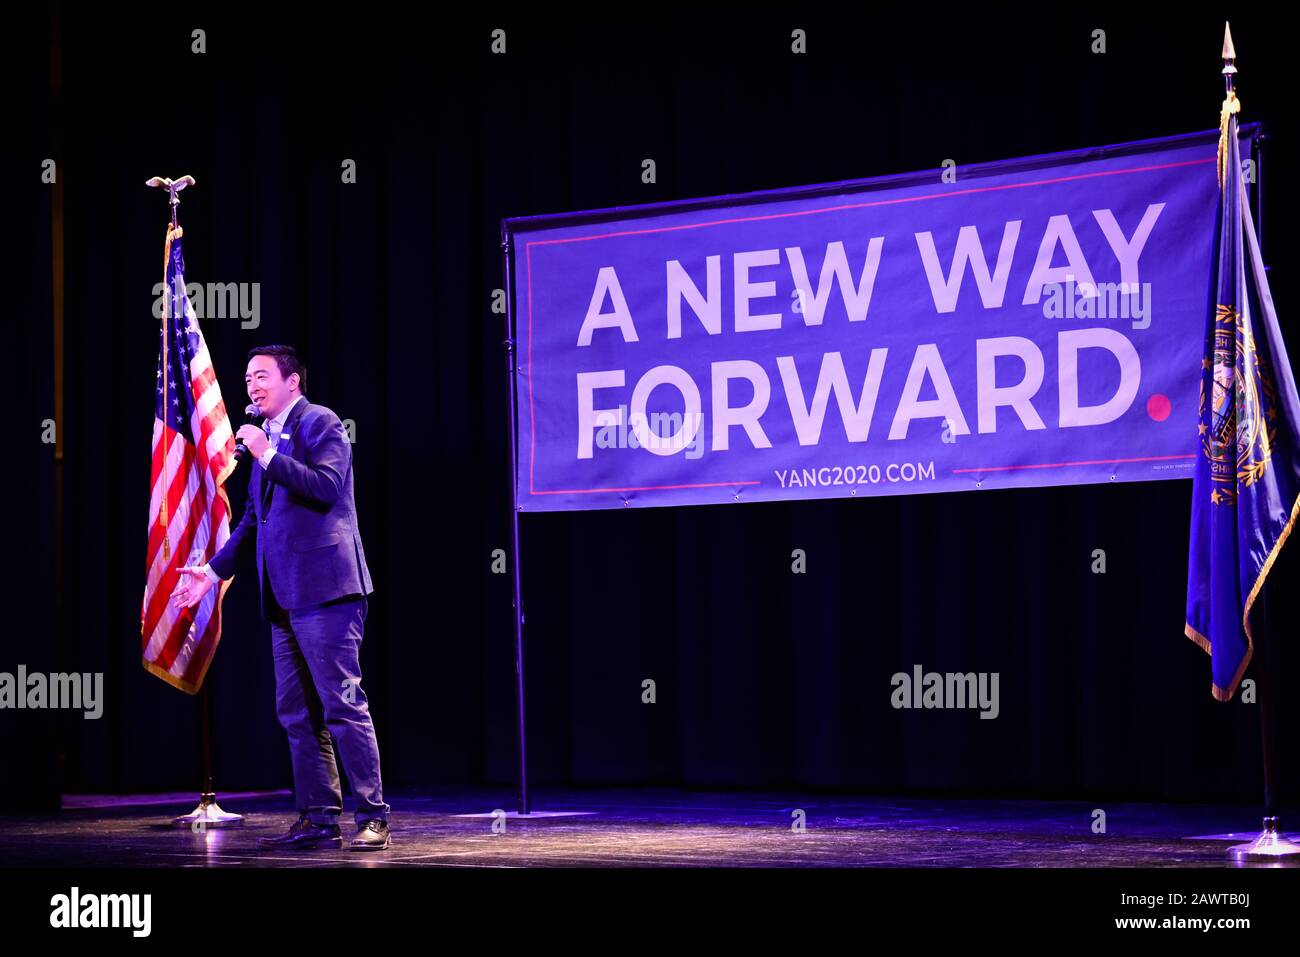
(302, 524)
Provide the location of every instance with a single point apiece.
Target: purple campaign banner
(1038, 321)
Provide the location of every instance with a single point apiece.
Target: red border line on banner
(645, 488)
(1056, 465)
(528, 253)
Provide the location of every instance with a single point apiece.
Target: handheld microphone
(252, 416)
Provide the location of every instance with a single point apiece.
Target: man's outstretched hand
(191, 586)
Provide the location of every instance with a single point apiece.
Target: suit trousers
(320, 704)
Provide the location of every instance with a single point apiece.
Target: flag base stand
(1271, 846)
(208, 814)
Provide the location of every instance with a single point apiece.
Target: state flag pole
(1271, 844)
(1247, 483)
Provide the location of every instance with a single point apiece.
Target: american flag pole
(210, 432)
(166, 479)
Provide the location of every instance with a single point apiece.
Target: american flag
(193, 453)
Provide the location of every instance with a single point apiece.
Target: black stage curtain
(764, 678)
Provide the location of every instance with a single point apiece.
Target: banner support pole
(516, 563)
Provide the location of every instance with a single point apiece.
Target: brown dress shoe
(303, 833)
(372, 836)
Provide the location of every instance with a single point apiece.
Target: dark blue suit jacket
(301, 517)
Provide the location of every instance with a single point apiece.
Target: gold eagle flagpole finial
(174, 186)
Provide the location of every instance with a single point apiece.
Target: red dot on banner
(1158, 407)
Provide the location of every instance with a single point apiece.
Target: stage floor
(643, 828)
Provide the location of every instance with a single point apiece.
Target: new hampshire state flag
(1244, 493)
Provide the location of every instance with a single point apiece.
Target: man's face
(267, 388)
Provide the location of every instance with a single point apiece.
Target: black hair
(287, 360)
